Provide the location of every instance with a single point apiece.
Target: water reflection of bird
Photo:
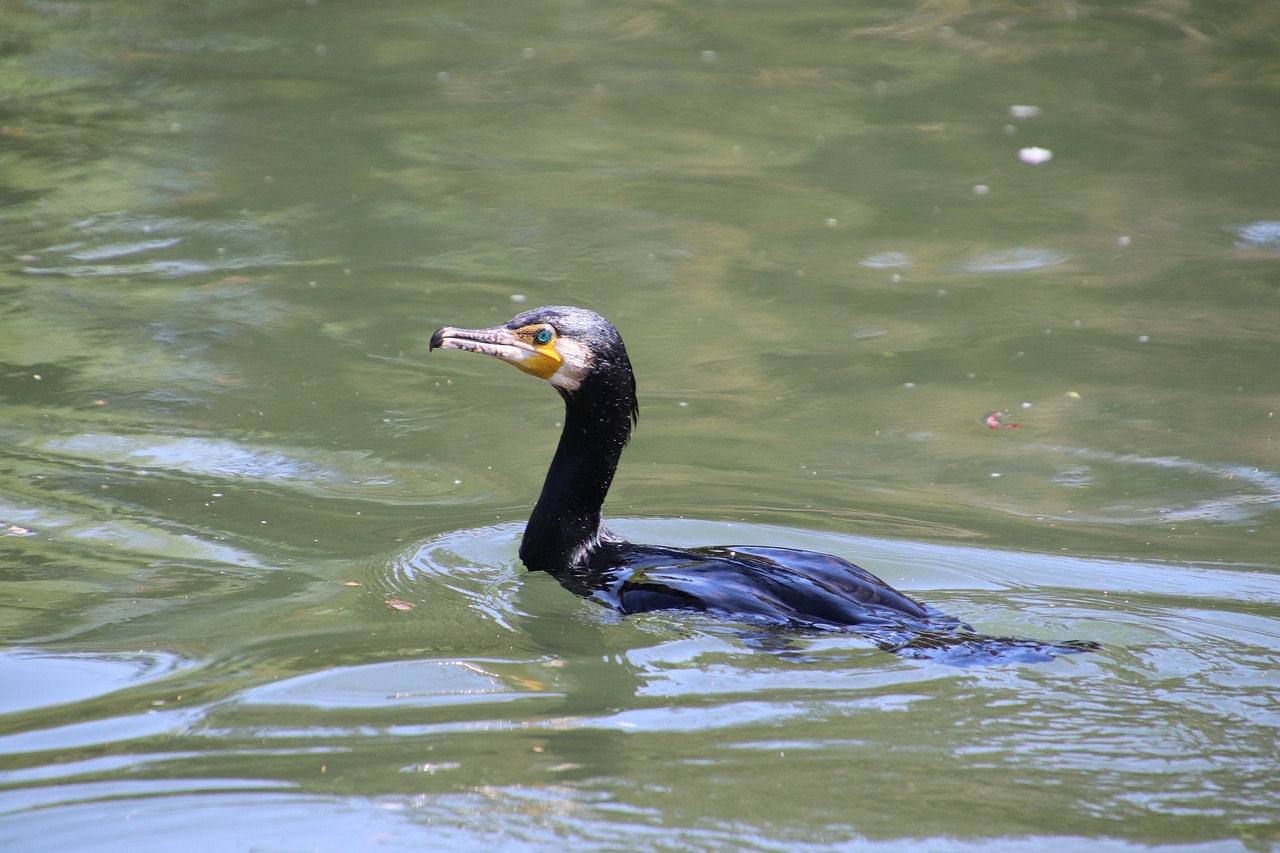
(582, 355)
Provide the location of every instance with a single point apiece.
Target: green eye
(543, 336)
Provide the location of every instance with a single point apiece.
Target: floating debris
(995, 420)
(1035, 155)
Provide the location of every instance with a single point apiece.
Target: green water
(228, 229)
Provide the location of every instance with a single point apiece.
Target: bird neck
(567, 524)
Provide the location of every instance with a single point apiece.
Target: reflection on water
(229, 231)
(1010, 260)
(599, 718)
(432, 683)
(211, 458)
(200, 247)
(43, 679)
(1243, 494)
(1258, 235)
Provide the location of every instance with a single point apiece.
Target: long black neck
(567, 526)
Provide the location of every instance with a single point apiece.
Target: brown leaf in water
(397, 604)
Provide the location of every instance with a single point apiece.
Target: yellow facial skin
(542, 359)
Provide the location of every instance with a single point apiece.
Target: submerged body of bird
(582, 355)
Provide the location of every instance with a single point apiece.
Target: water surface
(1039, 395)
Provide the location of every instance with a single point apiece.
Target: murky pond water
(985, 298)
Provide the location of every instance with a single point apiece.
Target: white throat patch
(575, 365)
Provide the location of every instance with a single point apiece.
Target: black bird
(582, 355)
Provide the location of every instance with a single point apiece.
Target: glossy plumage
(582, 355)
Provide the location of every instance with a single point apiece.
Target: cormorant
(582, 355)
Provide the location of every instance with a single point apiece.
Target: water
(1040, 397)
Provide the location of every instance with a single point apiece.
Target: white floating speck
(708, 56)
(1142, 339)
(518, 297)
(981, 189)
(1035, 155)
(1023, 111)
(830, 222)
(1123, 242)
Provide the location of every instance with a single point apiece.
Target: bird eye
(543, 335)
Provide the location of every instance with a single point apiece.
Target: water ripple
(40, 679)
(208, 246)
(1255, 492)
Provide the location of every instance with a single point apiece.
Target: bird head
(566, 346)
